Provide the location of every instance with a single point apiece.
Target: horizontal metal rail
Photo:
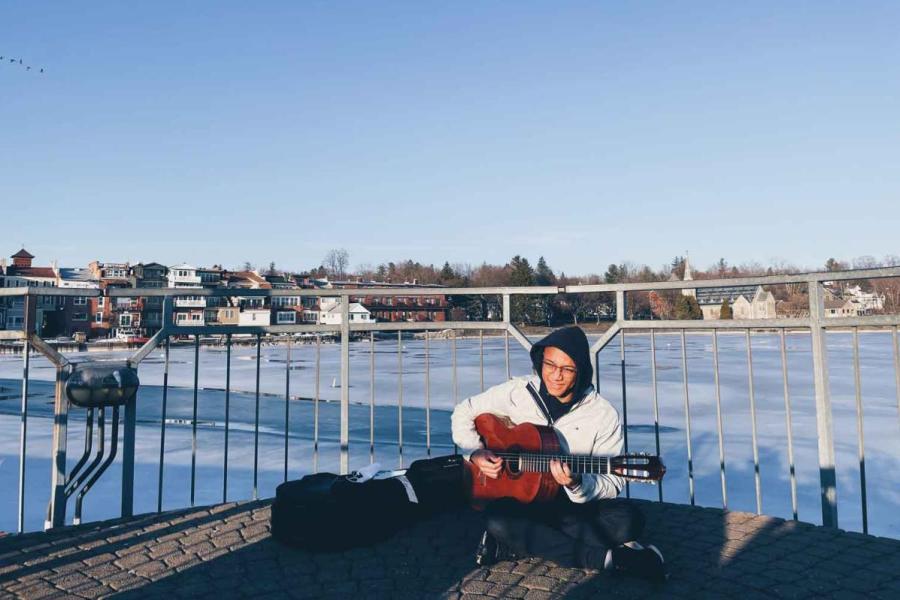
(812, 277)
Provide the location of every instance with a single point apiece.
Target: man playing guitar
(584, 525)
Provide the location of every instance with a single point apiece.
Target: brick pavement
(226, 551)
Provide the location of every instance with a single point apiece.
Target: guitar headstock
(638, 467)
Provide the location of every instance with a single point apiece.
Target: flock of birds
(20, 63)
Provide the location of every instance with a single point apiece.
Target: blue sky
(586, 132)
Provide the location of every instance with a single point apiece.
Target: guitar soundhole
(512, 464)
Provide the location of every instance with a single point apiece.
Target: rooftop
(226, 551)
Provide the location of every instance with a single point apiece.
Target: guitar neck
(540, 463)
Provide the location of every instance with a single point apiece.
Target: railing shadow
(227, 552)
(59, 547)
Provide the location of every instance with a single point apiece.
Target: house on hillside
(77, 316)
(330, 313)
(867, 303)
(252, 310)
(190, 308)
(150, 275)
(118, 316)
(841, 307)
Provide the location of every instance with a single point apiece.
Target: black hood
(574, 343)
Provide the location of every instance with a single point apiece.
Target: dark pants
(569, 534)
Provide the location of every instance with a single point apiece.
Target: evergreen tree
(521, 273)
(447, 273)
(543, 275)
(687, 308)
(695, 312)
(613, 274)
(725, 312)
(678, 267)
(522, 307)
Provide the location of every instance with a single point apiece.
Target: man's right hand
(489, 463)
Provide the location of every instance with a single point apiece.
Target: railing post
(620, 317)
(507, 318)
(345, 384)
(23, 432)
(620, 305)
(128, 436)
(57, 509)
(824, 427)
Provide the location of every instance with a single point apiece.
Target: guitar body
(500, 435)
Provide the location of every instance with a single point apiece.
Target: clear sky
(587, 132)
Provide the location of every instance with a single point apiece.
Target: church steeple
(688, 276)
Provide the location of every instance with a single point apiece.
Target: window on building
(101, 301)
(79, 317)
(196, 317)
(79, 301)
(125, 320)
(180, 317)
(98, 318)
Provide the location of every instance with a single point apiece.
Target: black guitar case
(329, 512)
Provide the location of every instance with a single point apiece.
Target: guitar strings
(541, 462)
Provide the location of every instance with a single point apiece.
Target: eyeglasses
(553, 368)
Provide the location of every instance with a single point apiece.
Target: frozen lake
(881, 422)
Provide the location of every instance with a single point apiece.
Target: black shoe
(491, 551)
(639, 561)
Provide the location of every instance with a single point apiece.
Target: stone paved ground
(226, 552)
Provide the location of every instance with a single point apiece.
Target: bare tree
(336, 261)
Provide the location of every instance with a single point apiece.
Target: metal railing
(816, 324)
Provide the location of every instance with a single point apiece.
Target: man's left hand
(563, 475)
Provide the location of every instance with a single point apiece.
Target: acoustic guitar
(527, 450)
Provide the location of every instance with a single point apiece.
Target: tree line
(576, 308)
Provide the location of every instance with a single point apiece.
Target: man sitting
(585, 525)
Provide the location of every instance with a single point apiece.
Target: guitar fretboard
(540, 463)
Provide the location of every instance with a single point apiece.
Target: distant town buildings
(199, 303)
(139, 317)
(755, 302)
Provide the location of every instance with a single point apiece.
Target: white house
(184, 276)
(867, 302)
(841, 307)
(255, 317)
(358, 314)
